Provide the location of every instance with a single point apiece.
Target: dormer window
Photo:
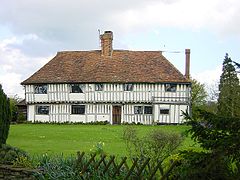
(170, 87)
(40, 89)
(77, 88)
(128, 87)
(98, 87)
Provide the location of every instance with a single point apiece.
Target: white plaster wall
(77, 118)
(41, 97)
(31, 112)
(77, 96)
(42, 118)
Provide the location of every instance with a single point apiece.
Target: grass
(68, 139)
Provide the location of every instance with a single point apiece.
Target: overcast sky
(33, 31)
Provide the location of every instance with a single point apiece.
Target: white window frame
(42, 106)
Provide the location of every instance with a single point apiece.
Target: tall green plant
(229, 88)
(4, 117)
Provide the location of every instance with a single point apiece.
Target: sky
(33, 31)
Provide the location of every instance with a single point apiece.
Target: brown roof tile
(122, 67)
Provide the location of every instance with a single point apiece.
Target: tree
(4, 117)
(198, 96)
(229, 90)
(219, 138)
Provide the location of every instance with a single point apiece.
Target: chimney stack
(187, 65)
(106, 43)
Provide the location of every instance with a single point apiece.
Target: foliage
(9, 154)
(98, 148)
(157, 144)
(57, 167)
(219, 137)
(23, 161)
(4, 117)
(229, 88)
(21, 118)
(198, 96)
(13, 108)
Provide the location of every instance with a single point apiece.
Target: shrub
(9, 154)
(157, 145)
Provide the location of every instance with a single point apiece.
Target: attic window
(98, 87)
(77, 88)
(40, 89)
(128, 87)
(170, 87)
(42, 110)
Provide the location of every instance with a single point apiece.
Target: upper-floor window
(98, 87)
(77, 88)
(170, 87)
(40, 89)
(127, 87)
(42, 110)
(78, 109)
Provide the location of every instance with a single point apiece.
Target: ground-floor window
(78, 109)
(148, 109)
(164, 111)
(42, 110)
(142, 109)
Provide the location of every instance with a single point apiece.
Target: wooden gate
(116, 114)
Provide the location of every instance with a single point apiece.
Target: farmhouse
(118, 86)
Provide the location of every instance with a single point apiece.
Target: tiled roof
(122, 67)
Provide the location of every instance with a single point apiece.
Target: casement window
(77, 88)
(170, 87)
(142, 109)
(164, 111)
(148, 109)
(138, 109)
(98, 87)
(128, 87)
(78, 109)
(42, 110)
(40, 89)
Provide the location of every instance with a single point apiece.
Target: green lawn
(68, 139)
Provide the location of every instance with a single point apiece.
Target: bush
(219, 138)
(9, 154)
(157, 145)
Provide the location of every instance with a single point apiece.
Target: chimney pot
(187, 65)
(106, 43)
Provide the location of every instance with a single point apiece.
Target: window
(138, 109)
(40, 89)
(128, 87)
(78, 109)
(98, 87)
(77, 88)
(42, 110)
(147, 109)
(170, 87)
(164, 111)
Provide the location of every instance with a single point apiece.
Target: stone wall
(9, 172)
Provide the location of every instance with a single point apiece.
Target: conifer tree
(229, 90)
(4, 117)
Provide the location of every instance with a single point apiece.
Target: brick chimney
(106, 43)
(187, 65)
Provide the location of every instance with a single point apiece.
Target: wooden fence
(111, 167)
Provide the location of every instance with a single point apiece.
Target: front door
(116, 114)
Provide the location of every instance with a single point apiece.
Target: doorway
(116, 114)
